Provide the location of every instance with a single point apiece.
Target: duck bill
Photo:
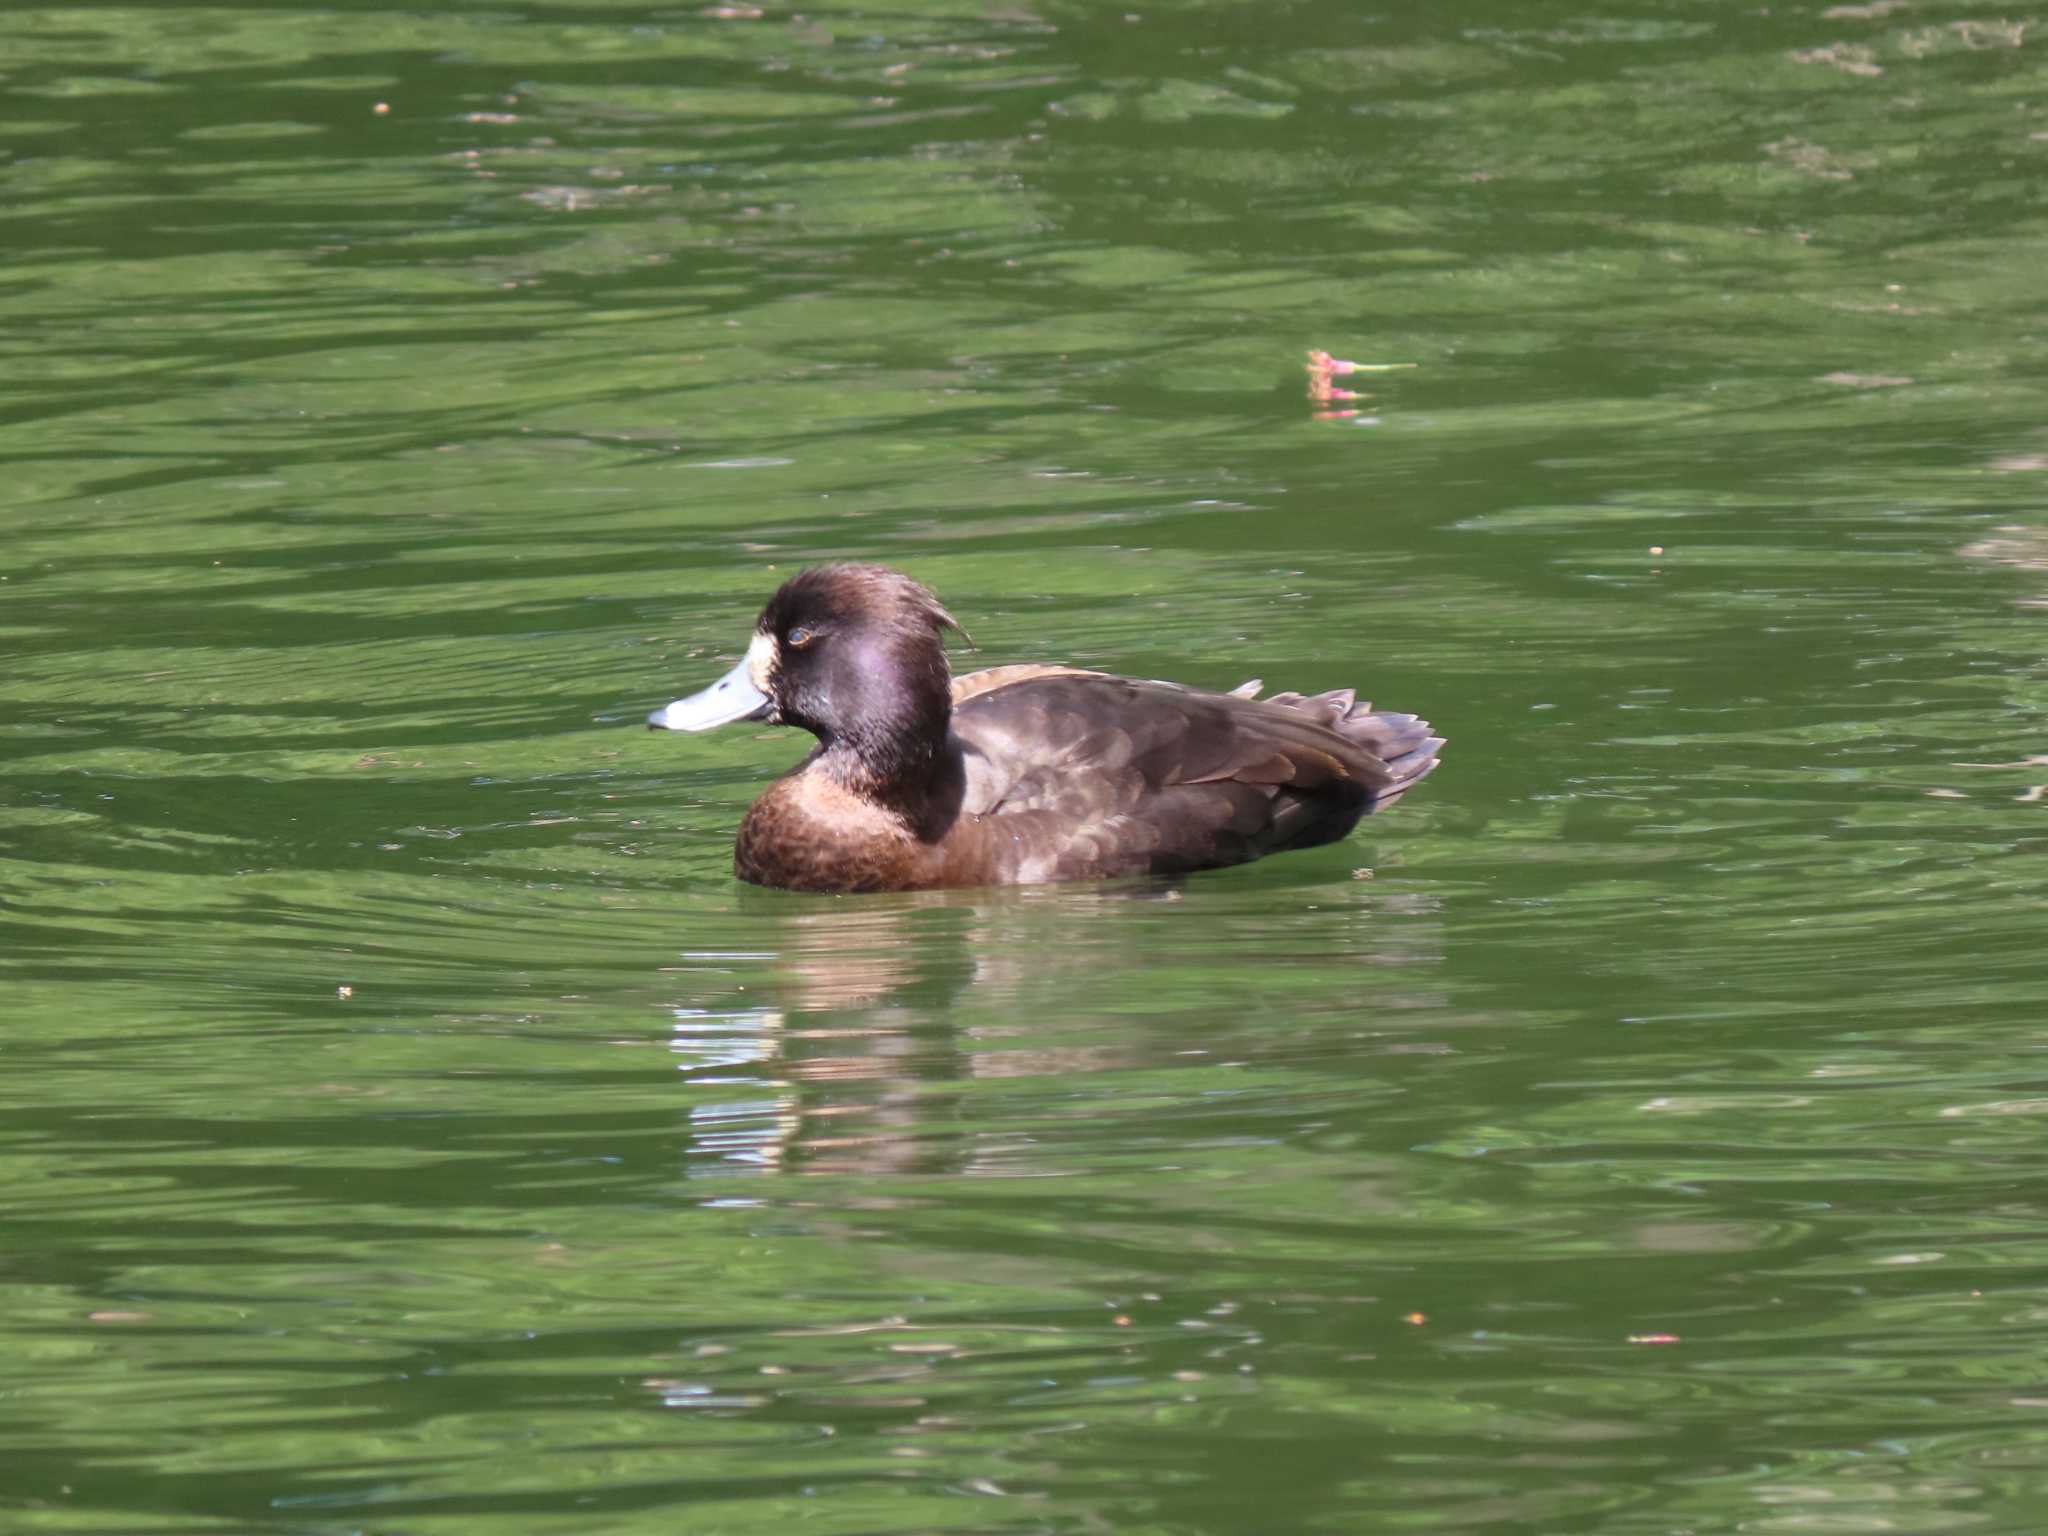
(734, 696)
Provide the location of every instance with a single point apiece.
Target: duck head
(851, 653)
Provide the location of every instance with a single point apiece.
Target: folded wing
(1079, 774)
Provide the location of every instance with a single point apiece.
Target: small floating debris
(1323, 368)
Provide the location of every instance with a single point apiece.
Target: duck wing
(1078, 774)
(969, 684)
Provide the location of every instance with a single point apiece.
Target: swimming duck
(1022, 774)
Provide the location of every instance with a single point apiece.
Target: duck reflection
(848, 1036)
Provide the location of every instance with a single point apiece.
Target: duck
(1025, 773)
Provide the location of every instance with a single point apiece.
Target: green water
(408, 1126)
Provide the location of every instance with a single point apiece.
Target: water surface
(409, 1125)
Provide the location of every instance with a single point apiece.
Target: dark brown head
(854, 655)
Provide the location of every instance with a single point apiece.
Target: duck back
(1080, 775)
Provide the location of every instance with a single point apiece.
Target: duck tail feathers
(1403, 743)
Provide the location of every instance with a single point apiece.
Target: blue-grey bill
(732, 697)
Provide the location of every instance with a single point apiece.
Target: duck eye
(801, 636)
